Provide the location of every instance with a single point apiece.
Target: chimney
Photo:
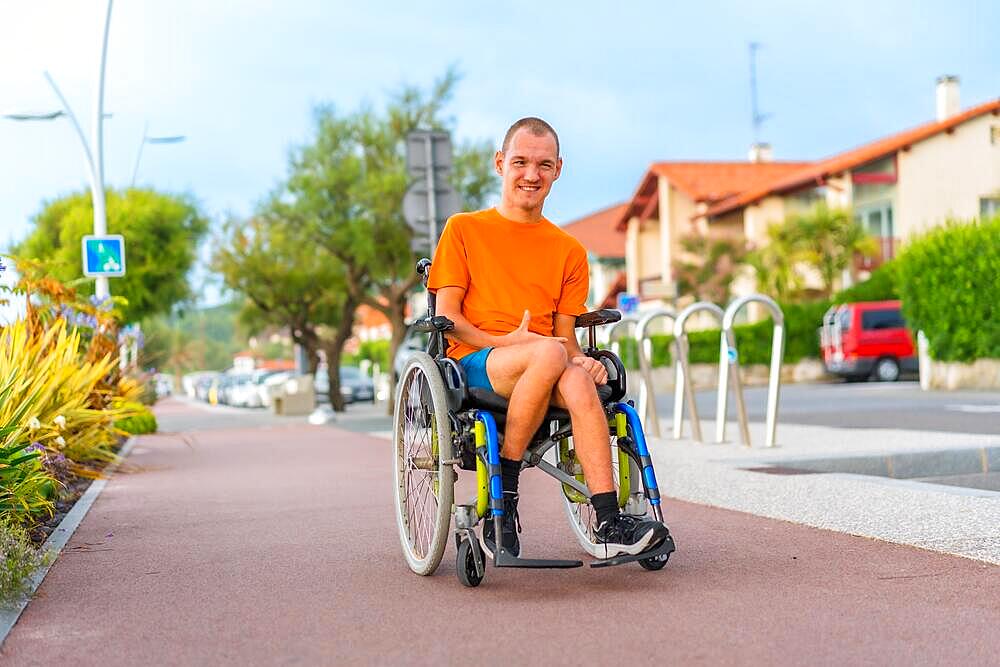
(761, 153)
(947, 97)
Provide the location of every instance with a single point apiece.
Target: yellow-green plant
(56, 397)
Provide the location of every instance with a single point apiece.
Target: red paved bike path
(278, 546)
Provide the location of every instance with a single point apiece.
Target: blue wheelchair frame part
(492, 461)
(635, 426)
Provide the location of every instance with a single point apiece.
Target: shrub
(947, 281)
(141, 422)
(880, 286)
(802, 320)
(376, 351)
(18, 560)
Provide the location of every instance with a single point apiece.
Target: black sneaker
(628, 535)
(510, 526)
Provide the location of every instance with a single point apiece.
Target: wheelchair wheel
(582, 517)
(466, 563)
(654, 564)
(424, 484)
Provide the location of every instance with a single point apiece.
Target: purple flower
(103, 303)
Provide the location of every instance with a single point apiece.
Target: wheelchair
(440, 424)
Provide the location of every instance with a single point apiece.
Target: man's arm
(564, 326)
(449, 304)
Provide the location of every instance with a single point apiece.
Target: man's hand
(523, 335)
(594, 368)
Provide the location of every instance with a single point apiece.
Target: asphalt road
(897, 405)
(277, 544)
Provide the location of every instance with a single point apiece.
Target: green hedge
(376, 351)
(144, 422)
(948, 282)
(880, 286)
(753, 341)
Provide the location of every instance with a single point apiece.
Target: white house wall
(944, 176)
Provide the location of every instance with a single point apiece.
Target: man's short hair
(536, 126)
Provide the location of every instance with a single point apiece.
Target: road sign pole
(101, 288)
(431, 194)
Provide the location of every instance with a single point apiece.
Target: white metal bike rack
(683, 386)
(610, 340)
(729, 364)
(647, 397)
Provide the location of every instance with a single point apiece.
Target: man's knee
(549, 354)
(578, 389)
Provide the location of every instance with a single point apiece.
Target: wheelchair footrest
(666, 547)
(505, 559)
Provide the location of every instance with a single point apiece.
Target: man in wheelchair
(512, 283)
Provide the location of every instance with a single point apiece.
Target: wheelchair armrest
(432, 324)
(424, 270)
(596, 318)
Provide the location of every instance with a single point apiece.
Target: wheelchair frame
(475, 437)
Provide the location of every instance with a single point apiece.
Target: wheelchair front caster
(654, 564)
(471, 563)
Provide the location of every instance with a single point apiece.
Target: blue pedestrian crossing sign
(104, 256)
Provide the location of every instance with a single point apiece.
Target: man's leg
(576, 392)
(525, 375)
(615, 533)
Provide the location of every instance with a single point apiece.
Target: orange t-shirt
(507, 267)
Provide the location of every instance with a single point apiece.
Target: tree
(829, 239)
(348, 184)
(824, 240)
(289, 281)
(193, 339)
(775, 263)
(710, 267)
(162, 232)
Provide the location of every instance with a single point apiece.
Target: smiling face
(528, 167)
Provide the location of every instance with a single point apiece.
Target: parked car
(245, 391)
(867, 339)
(267, 385)
(204, 384)
(354, 385)
(227, 385)
(413, 341)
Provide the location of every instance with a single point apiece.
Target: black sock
(606, 506)
(510, 471)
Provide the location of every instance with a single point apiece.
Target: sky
(624, 84)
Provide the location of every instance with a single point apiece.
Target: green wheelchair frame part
(620, 425)
(482, 475)
(435, 448)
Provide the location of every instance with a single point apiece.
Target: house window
(988, 207)
(876, 219)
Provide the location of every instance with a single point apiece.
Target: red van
(867, 339)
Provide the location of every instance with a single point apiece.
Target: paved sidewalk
(277, 545)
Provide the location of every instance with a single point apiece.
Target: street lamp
(95, 167)
(146, 139)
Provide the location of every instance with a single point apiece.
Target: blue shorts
(475, 368)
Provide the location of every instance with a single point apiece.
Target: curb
(53, 546)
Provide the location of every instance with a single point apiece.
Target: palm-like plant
(828, 239)
(824, 239)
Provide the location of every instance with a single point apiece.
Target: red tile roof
(712, 181)
(817, 171)
(707, 182)
(367, 316)
(598, 233)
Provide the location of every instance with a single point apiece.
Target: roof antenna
(759, 152)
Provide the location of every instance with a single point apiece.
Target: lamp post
(146, 139)
(95, 167)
